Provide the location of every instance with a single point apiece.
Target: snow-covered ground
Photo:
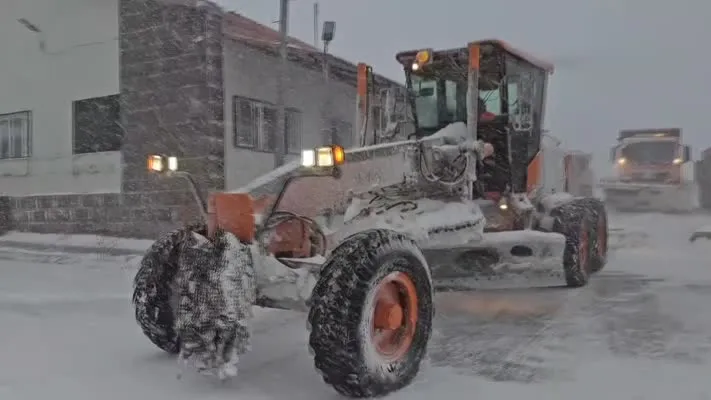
(640, 330)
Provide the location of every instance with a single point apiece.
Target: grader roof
(540, 63)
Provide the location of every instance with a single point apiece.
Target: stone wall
(6, 220)
(141, 215)
(171, 90)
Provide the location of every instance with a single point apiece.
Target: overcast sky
(620, 63)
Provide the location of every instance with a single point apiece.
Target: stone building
(96, 86)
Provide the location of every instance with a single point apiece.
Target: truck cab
(650, 156)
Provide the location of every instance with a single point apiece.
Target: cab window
(525, 101)
(426, 102)
(438, 101)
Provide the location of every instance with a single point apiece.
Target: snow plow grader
(649, 173)
(360, 238)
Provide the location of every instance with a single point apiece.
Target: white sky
(620, 63)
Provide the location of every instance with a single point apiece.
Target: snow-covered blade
(217, 291)
(626, 196)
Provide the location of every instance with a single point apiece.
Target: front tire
(155, 290)
(371, 314)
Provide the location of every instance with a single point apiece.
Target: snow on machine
(649, 172)
(360, 238)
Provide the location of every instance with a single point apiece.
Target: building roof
(251, 33)
(243, 29)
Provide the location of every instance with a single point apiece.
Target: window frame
(260, 140)
(641, 152)
(26, 152)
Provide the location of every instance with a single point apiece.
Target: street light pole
(316, 24)
(280, 134)
(331, 136)
(327, 120)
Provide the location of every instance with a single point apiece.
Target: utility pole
(280, 134)
(316, 24)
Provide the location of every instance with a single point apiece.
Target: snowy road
(640, 330)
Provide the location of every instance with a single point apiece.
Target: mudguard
(545, 205)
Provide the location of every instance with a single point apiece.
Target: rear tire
(153, 290)
(342, 319)
(598, 254)
(574, 221)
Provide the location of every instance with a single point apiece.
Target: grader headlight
(158, 163)
(327, 156)
(155, 163)
(308, 158)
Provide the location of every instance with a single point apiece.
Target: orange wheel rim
(601, 237)
(583, 248)
(394, 316)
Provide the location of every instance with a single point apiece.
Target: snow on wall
(46, 83)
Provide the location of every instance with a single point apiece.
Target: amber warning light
(422, 58)
(327, 156)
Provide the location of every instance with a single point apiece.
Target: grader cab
(497, 91)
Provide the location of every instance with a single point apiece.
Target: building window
(15, 135)
(294, 130)
(97, 125)
(380, 118)
(255, 123)
(344, 133)
(246, 114)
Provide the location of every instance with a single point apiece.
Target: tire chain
(217, 290)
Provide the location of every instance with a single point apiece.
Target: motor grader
(360, 238)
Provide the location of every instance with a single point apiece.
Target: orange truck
(649, 172)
